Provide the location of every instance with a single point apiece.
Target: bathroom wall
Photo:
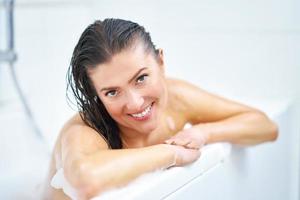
(241, 47)
(45, 35)
(234, 48)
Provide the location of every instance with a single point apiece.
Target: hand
(183, 156)
(192, 138)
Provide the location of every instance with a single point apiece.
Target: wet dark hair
(98, 43)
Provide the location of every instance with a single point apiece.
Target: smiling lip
(146, 116)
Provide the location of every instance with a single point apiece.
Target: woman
(131, 116)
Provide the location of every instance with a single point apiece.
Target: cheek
(113, 109)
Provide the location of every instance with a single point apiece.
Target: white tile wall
(234, 45)
(44, 49)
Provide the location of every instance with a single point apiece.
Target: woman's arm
(216, 119)
(248, 128)
(92, 168)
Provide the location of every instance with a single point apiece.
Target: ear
(161, 59)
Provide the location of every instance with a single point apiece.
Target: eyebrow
(135, 75)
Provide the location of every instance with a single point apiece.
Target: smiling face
(132, 88)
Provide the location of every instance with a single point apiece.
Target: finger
(181, 142)
(168, 141)
(193, 145)
(171, 140)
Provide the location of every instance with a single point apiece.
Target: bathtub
(269, 171)
(226, 172)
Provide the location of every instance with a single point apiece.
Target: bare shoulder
(200, 105)
(180, 91)
(178, 85)
(76, 133)
(176, 93)
(75, 139)
(177, 106)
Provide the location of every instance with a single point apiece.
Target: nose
(134, 101)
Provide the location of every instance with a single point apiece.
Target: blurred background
(243, 50)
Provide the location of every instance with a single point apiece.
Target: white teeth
(142, 114)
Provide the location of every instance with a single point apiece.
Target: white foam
(60, 182)
(158, 183)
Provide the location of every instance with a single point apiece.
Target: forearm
(249, 128)
(112, 168)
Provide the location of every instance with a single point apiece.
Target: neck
(132, 138)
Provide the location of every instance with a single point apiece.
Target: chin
(148, 130)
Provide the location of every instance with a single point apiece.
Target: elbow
(270, 128)
(81, 177)
(273, 132)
